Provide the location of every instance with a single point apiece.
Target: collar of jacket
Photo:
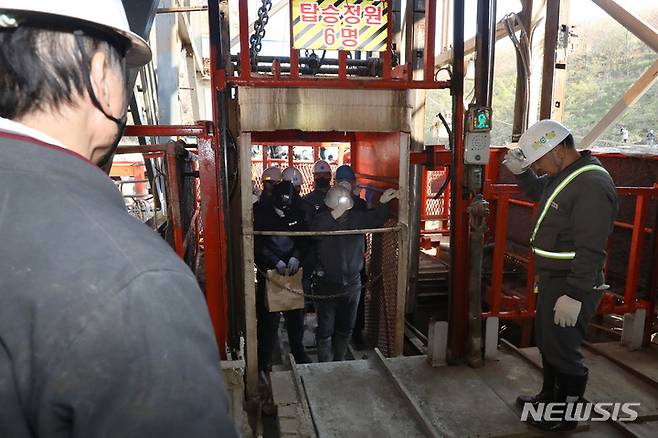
(26, 154)
(585, 159)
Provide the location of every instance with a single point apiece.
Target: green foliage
(605, 62)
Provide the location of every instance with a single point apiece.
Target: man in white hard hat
(340, 260)
(322, 182)
(104, 332)
(577, 208)
(270, 178)
(346, 177)
(294, 176)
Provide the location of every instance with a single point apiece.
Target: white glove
(281, 267)
(388, 195)
(279, 213)
(566, 311)
(514, 161)
(293, 266)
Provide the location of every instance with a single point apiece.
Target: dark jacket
(341, 258)
(268, 250)
(313, 204)
(359, 203)
(580, 219)
(104, 332)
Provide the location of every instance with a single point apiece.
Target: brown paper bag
(279, 295)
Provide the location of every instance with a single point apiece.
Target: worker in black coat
(313, 204)
(337, 277)
(345, 176)
(577, 208)
(284, 254)
(104, 332)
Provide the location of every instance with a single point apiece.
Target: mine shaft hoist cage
(225, 231)
(386, 248)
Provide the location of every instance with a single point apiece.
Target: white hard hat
(541, 138)
(293, 175)
(107, 16)
(321, 166)
(271, 174)
(339, 200)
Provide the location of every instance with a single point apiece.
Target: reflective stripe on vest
(564, 255)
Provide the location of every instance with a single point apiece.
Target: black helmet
(285, 196)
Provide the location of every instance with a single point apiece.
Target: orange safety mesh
(381, 289)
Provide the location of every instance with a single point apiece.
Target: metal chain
(256, 39)
(317, 297)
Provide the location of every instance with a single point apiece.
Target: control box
(478, 135)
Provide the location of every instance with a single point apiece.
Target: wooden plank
(248, 264)
(403, 244)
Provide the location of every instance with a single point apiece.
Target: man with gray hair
(104, 331)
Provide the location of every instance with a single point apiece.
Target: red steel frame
(209, 149)
(295, 80)
(212, 212)
(502, 193)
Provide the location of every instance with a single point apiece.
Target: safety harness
(563, 255)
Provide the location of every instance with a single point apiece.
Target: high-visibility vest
(563, 255)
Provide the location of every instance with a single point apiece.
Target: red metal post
(423, 200)
(245, 58)
(342, 65)
(637, 245)
(430, 30)
(367, 84)
(214, 251)
(653, 285)
(173, 200)
(290, 156)
(530, 296)
(294, 53)
(458, 326)
(162, 131)
(496, 291)
(388, 54)
(266, 162)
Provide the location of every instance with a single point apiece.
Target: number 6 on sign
(329, 37)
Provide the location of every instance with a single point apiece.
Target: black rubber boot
(547, 393)
(569, 389)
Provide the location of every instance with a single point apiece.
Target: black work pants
(561, 346)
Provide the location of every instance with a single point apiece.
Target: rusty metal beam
(550, 48)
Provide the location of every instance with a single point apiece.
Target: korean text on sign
(340, 25)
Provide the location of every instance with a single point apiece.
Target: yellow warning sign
(340, 25)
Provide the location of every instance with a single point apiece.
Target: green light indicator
(481, 120)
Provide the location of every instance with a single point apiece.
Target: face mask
(322, 183)
(105, 162)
